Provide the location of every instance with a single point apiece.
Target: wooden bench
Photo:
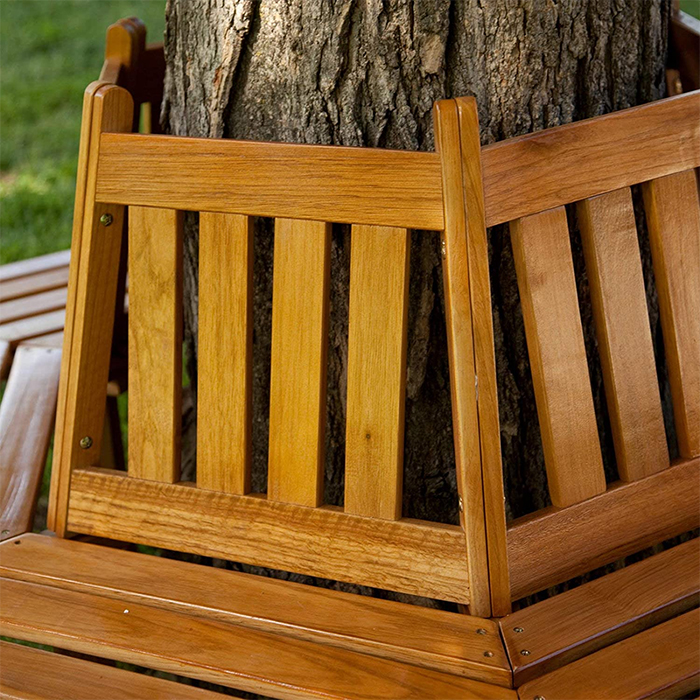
(288, 640)
(33, 297)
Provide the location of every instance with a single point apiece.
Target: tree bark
(366, 73)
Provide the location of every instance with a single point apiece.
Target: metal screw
(106, 219)
(443, 249)
(488, 654)
(126, 612)
(86, 442)
(538, 697)
(525, 652)
(518, 630)
(481, 630)
(5, 532)
(461, 504)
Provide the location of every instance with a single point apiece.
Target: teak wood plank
(562, 386)
(578, 622)
(619, 149)
(300, 300)
(374, 186)
(50, 340)
(34, 284)
(376, 380)
(407, 555)
(33, 305)
(27, 673)
(225, 344)
(618, 297)
(661, 662)
(441, 640)
(27, 415)
(271, 664)
(155, 343)
(27, 328)
(673, 216)
(460, 345)
(33, 266)
(554, 545)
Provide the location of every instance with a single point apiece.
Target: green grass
(49, 51)
(692, 7)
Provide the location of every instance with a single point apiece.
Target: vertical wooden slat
(89, 315)
(298, 371)
(225, 339)
(562, 386)
(155, 343)
(467, 328)
(614, 267)
(673, 216)
(376, 371)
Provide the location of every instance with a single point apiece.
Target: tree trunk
(366, 73)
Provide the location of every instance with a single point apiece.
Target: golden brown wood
(34, 284)
(346, 185)
(535, 172)
(298, 366)
(614, 267)
(554, 545)
(661, 662)
(155, 343)
(26, 422)
(578, 622)
(90, 307)
(33, 674)
(411, 556)
(673, 216)
(33, 266)
(460, 345)
(376, 378)
(225, 338)
(201, 648)
(33, 305)
(440, 640)
(549, 302)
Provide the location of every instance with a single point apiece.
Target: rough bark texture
(366, 72)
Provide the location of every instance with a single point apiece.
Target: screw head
(443, 249)
(461, 504)
(481, 630)
(86, 442)
(518, 630)
(106, 219)
(525, 652)
(488, 654)
(538, 697)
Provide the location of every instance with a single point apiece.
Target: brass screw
(86, 442)
(525, 652)
(538, 697)
(443, 249)
(106, 219)
(481, 630)
(518, 630)
(461, 504)
(488, 654)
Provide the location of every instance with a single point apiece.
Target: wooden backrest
(382, 194)
(527, 181)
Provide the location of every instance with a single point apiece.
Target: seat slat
(225, 340)
(614, 267)
(549, 302)
(155, 343)
(376, 371)
(673, 216)
(298, 366)
(32, 266)
(661, 662)
(34, 305)
(27, 328)
(33, 284)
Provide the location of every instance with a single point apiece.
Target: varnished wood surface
(34, 284)
(441, 640)
(578, 622)
(33, 266)
(34, 305)
(26, 421)
(376, 375)
(618, 296)
(661, 662)
(274, 665)
(408, 555)
(27, 673)
(554, 545)
(338, 184)
(549, 301)
(33, 327)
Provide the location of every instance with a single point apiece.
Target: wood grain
(155, 343)
(376, 378)
(408, 555)
(33, 266)
(535, 172)
(578, 622)
(661, 662)
(34, 284)
(34, 305)
(300, 299)
(554, 545)
(438, 639)
(673, 216)
(274, 665)
(618, 297)
(62, 676)
(35, 326)
(225, 346)
(562, 386)
(26, 423)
